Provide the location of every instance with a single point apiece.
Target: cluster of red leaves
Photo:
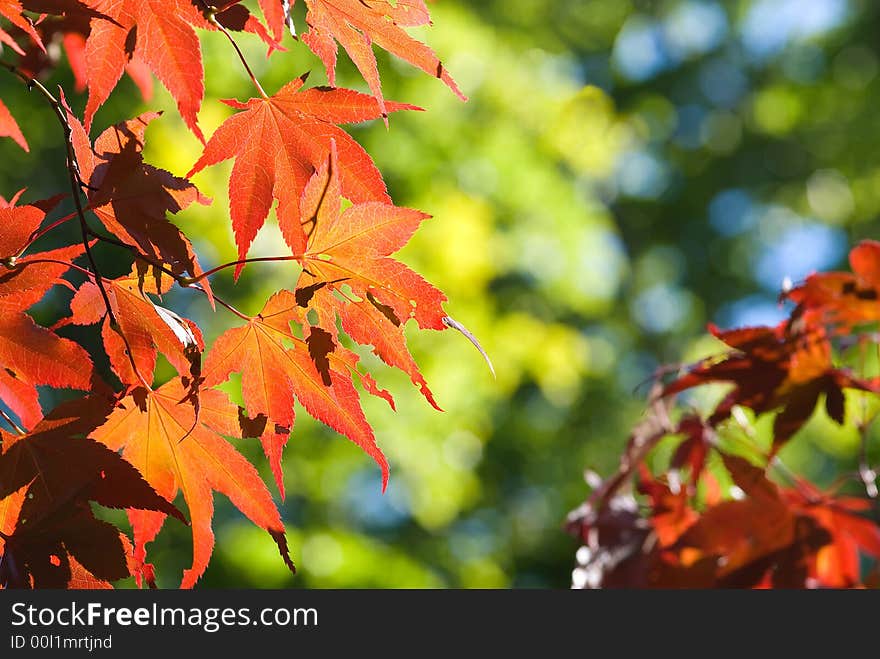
(679, 529)
(134, 444)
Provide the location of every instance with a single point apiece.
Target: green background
(624, 172)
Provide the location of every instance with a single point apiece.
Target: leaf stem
(222, 302)
(74, 266)
(42, 232)
(212, 19)
(259, 259)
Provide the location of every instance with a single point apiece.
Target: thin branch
(212, 19)
(76, 182)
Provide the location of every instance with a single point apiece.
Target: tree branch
(76, 182)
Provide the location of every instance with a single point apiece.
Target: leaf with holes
(176, 450)
(317, 371)
(347, 272)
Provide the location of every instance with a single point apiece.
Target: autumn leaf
(278, 143)
(357, 24)
(31, 355)
(842, 300)
(12, 11)
(9, 128)
(68, 22)
(348, 273)
(47, 478)
(158, 32)
(144, 329)
(854, 534)
(132, 198)
(671, 513)
(175, 451)
(771, 368)
(318, 375)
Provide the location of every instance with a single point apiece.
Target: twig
(76, 182)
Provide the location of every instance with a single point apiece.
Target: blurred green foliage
(625, 172)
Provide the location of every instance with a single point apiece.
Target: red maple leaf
(179, 451)
(9, 127)
(357, 24)
(158, 32)
(11, 10)
(144, 329)
(132, 198)
(50, 537)
(773, 368)
(347, 252)
(278, 143)
(842, 300)
(853, 535)
(31, 355)
(68, 22)
(317, 371)
(161, 35)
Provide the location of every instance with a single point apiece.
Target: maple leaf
(9, 128)
(132, 198)
(842, 300)
(357, 24)
(671, 514)
(175, 451)
(68, 22)
(757, 540)
(31, 355)
(235, 16)
(51, 538)
(772, 368)
(11, 10)
(144, 330)
(278, 143)
(315, 370)
(838, 564)
(26, 279)
(158, 32)
(349, 250)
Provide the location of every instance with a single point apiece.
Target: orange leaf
(176, 451)
(278, 143)
(9, 128)
(160, 33)
(357, 24)
(349, 251)
(272, 374)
